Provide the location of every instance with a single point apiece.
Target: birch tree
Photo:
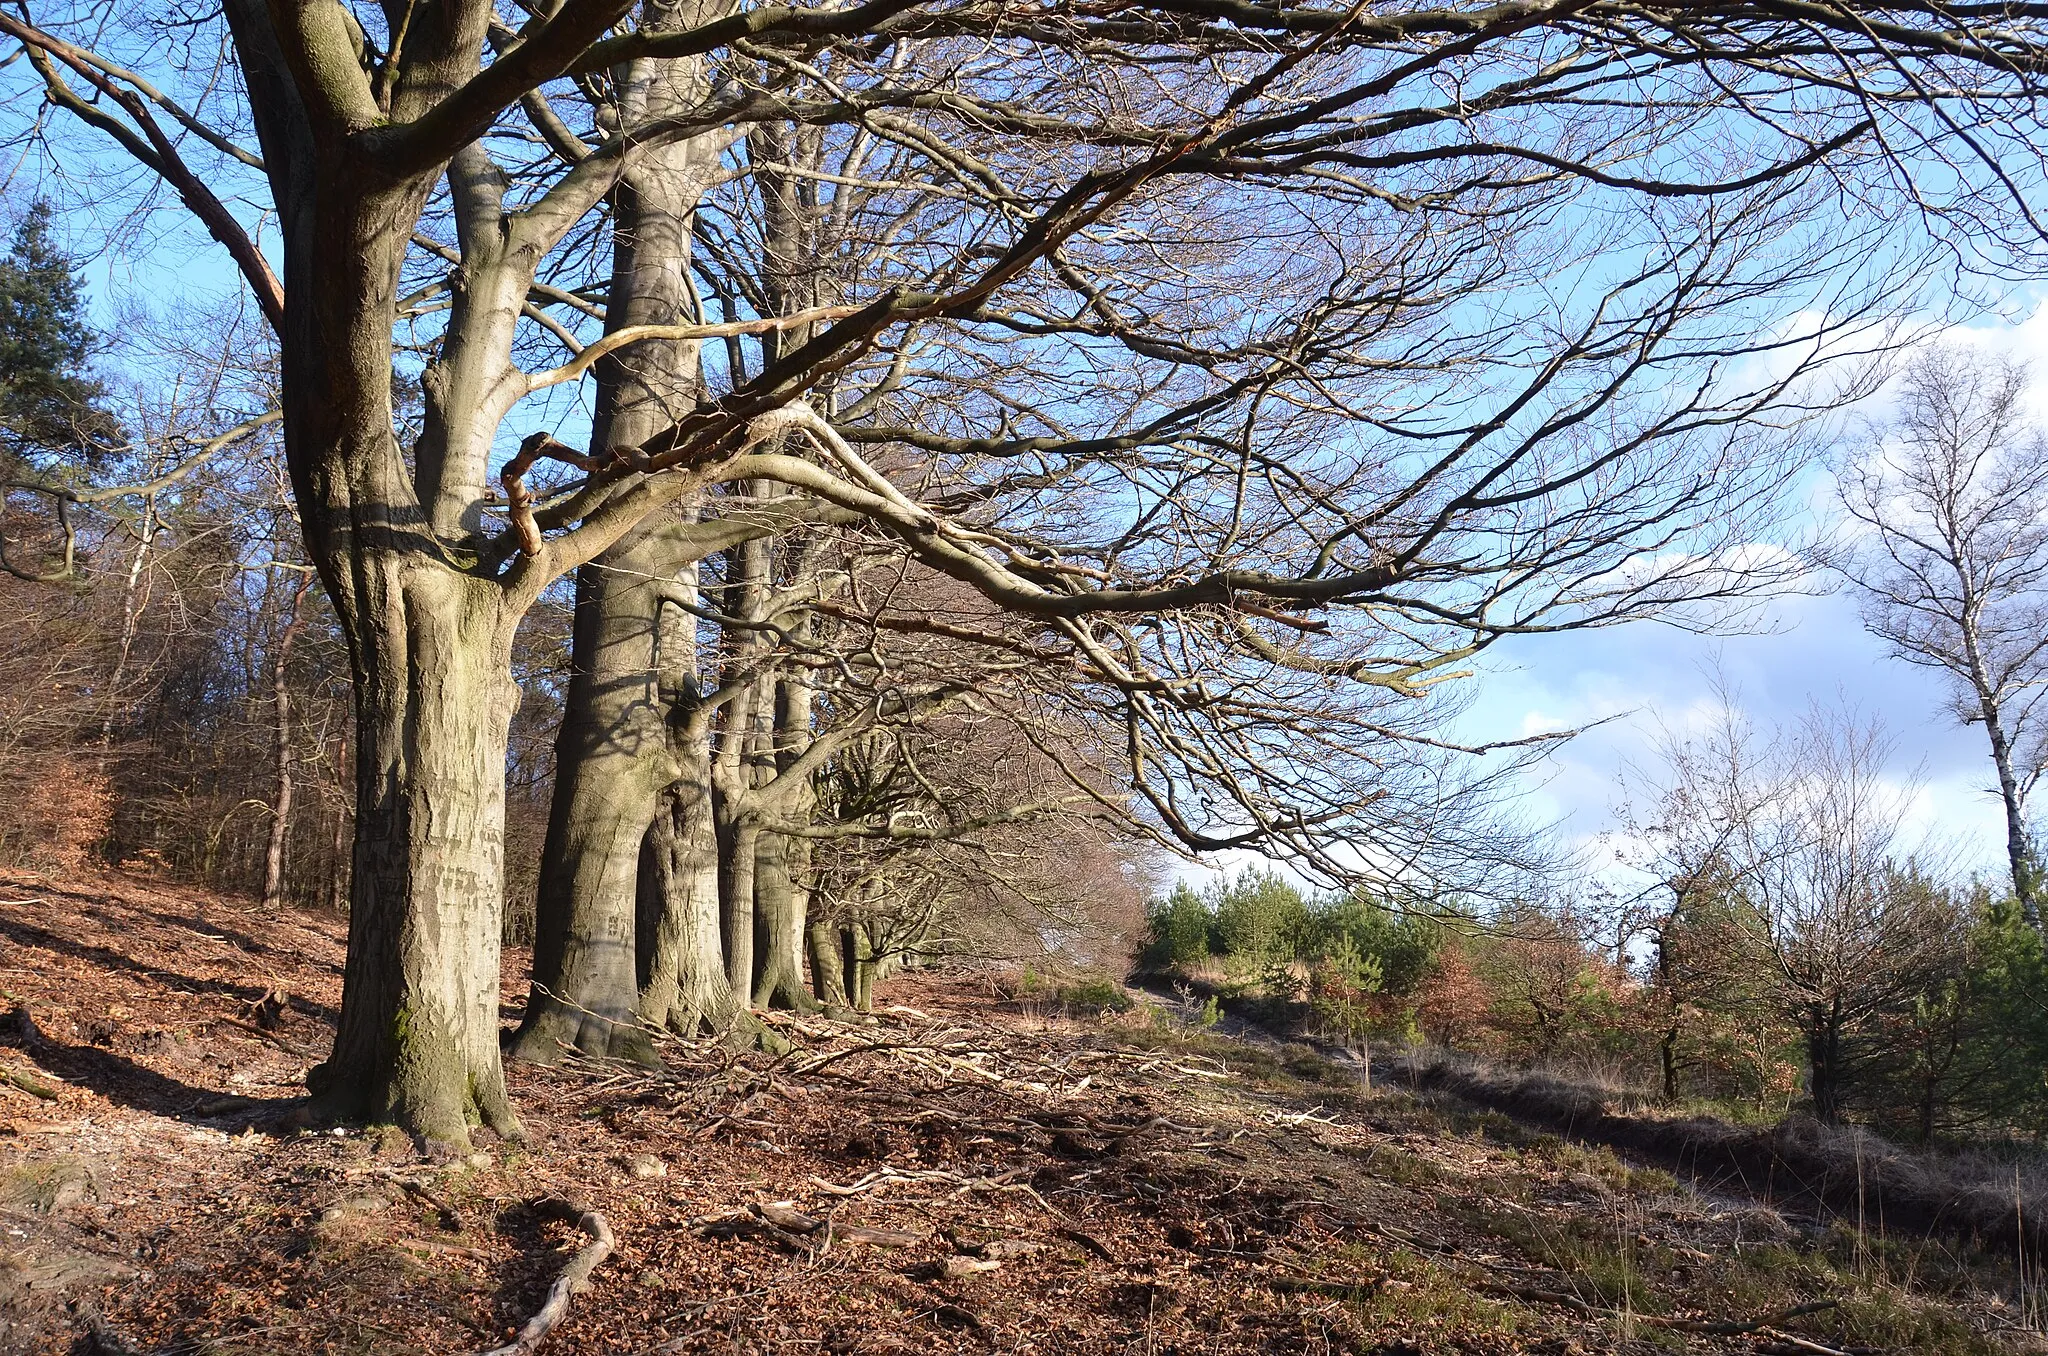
(1954, 574)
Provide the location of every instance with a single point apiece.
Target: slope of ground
(960, 1175)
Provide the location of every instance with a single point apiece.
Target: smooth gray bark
(827, 945)
(737, 841)
(778, 926)
(684, 986)
(612, 762)
(782, 861)
(615, 754)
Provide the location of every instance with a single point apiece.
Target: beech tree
(1275, 359)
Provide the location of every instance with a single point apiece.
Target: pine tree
(1179, 929)
(49, 401)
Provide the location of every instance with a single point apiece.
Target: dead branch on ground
(573, 1279)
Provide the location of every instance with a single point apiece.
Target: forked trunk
(684, 986)
(779, 925)
(828, 963)
(418, 1039)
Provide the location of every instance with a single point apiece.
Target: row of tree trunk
(669, 897)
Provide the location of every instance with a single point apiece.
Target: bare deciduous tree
(1801, 832)
(1955, 571)
(1275, 361)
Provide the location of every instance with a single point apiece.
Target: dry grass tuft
(1844, 1172)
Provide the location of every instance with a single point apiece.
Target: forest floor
(963, 1174)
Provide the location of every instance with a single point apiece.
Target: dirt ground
(965, 1173)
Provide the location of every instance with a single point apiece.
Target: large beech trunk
(684, 987)
(429, 619)
(612, 761)
(418, 1037)
(633, 674)
(430, 650)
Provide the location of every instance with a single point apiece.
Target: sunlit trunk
(612, 762)
(418, 1037)
(621, 848)
(684, 985)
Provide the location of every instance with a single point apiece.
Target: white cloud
(1646, 680)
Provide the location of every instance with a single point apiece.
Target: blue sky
(1642, 679)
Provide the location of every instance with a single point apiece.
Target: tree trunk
(828, 963)
(281, 698)
(861, 965)
(337, 883)
(430, 650)
(1824, 1079)
(779, 926)
(2019, 847)
(1667, 1045)
(429, 635)
(737, 767)
(684, 985)
(737, 841)
(418, 1038)
(614, 757)
(612, 760)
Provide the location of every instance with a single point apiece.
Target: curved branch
(155, 150)
(207, 451)
(635, 334)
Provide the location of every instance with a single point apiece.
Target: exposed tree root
(573, 1279)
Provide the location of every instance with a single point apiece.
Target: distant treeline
(1698, 1007)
